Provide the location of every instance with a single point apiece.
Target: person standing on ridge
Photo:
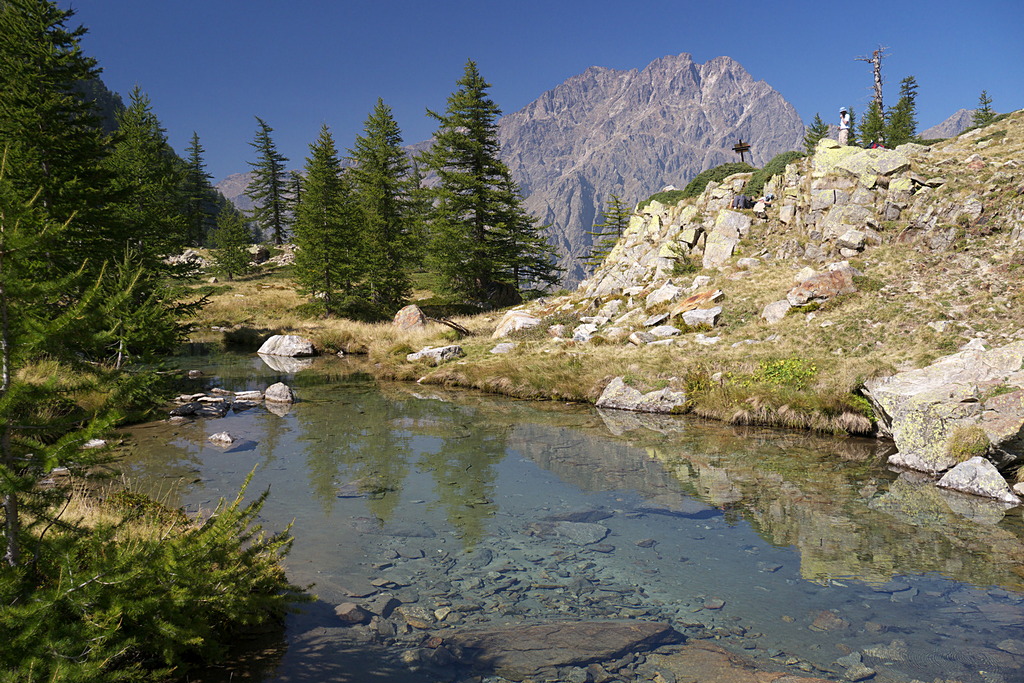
(844, 126)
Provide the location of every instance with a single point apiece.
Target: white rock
(702, 316)
(504, 347)
(288, 345)
(221, 439)
(665, 331)
(279, 393)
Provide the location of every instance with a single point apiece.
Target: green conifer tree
(815, 132)
(873, 126)
(526, 259)
(472, 198)
(148, 177)
(53, 139)
(983, 114)
(614, 221)
(329, 261)
(380, 178)
(230, 241)
(268, 186)
(199, 195)
(853, 125)
(901, 122)
(420, 207)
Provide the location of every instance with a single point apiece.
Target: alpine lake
(450, 512)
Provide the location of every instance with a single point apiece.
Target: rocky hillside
(628, 133)
(869, 270)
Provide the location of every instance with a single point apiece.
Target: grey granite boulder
(288, 345)
(702, 316)
(621, 396)
(279, 393)
(921, 409)
(436, 356)
(776, 311)
(979, 477)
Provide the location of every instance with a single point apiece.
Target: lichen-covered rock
(921, 409)
(288, 345)
(979, 477)
(621, 396)
(436, 356)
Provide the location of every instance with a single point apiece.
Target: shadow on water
(309, 648)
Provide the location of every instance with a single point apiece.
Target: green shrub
(668, 197)
(777, 166)
(787, 372)
(105, 603)
(714, 175)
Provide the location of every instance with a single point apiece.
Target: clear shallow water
(796, 550)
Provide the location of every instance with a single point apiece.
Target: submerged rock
(517, 652)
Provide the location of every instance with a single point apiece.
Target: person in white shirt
(844, 126)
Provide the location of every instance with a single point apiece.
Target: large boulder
(288, 345)
(410, 318)
(924, 409)
(621, 396)
(513, 321)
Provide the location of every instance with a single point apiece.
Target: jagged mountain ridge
(608, 131)
(628, 132)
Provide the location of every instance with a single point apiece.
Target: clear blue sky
(212, 65)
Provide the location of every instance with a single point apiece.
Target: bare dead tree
(876, 62)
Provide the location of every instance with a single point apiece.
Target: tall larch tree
(199, 197)
(471, 200)
(268, 187)
(329, 261)
(381, 181)
(901, 123)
